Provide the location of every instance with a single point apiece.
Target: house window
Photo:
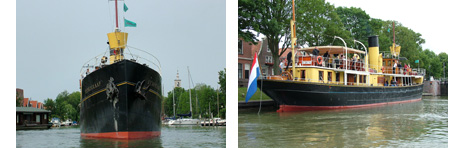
(37, 118)
(240, 71)
(45, 116)
(268, 59)
(246, 71)
(320, 76)
(240, 47)
(268, 50)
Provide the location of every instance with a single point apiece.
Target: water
(171, 136)
(417, 124)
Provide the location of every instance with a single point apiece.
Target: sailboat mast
(190, 92)
(116, 12)
(174, 102)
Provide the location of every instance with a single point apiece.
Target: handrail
(135, 57)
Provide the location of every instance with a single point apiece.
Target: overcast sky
(55, 38)
(433, 19)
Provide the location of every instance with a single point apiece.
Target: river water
(417, 124)
(171, 136)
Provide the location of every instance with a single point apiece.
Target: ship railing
(135, 55)
(334, 62)
(397, 70)
(387, 54)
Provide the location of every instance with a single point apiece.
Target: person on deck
(281, 66)
(325, 58)
(289, 57)
(394, 67)
(405, 68)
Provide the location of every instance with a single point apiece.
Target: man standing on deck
(394, 66)
(289, 57)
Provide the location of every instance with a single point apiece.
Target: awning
(332, 50)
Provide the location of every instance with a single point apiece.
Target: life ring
(319, 60)
(287, 74)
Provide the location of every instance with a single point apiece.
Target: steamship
(120, 98)
(314, 82)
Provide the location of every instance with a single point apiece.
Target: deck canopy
(332, 50)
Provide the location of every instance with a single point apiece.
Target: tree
(222, 92)
(317, 23)
(270, 18)
(50, 105)
(222, 79)
(443, 58)
(19, 100)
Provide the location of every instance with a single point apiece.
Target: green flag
(416, 61)
(125, 8)
(129, 23)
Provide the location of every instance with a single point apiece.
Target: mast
(116, 13)
(174, 103)
(190, 92)
(117, 40)
(394, 36)
(293, 40)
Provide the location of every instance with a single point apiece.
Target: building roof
(34, 104)
(26, 102)
(332, 50)
(31, 109)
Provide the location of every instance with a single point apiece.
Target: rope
(261, 86)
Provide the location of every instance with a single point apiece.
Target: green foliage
(66, 106)
(270, 18)
(19, 100)
(222, 80)
(317, 22)
(207, 101)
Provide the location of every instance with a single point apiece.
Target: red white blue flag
(252, 83)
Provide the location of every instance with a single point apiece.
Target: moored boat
(333, 81)
(121, 98)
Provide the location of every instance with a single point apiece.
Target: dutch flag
(252, 83)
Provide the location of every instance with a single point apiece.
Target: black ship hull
(121, 100)
(300, 96)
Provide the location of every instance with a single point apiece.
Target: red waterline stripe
(122, 135)
(294, 108)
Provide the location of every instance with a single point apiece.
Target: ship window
(17, 118)
(303, 75)
(45, 116)
(329, 76)
(240, 70)
(246, 71)
(337, 77)
(240, 47)
(320, 76)
(37, 118)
